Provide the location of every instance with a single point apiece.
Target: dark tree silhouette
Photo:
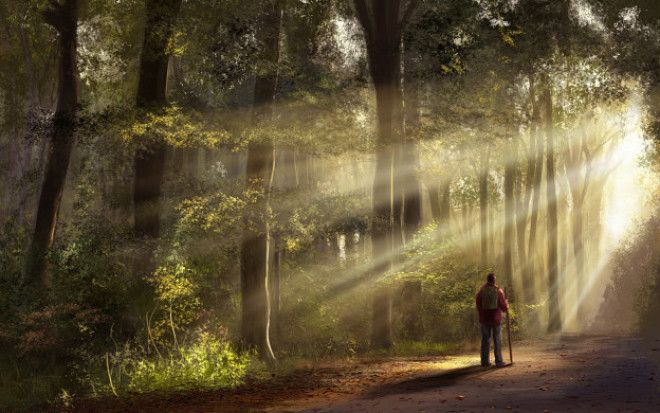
(64, 18)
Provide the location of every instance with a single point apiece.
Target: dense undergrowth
(103, 329)
(630, 301)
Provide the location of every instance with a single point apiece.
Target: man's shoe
(498, 365)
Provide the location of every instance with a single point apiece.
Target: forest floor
(568, 374)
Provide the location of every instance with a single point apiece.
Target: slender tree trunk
(288, 180)
(411, 297)
(536, 196)
(434, 199)
(577, 187)
(509, 221)
(149, 161)
(29, 66)
(554, 321)
(20, 157)
(465, 218)
(445, 203)
(275, 325)
(521, 226)
(563, 254)
(483, 213)
(256, 244)
(532, 194)
(288, 185)
(302, 176)
(492, 232)
(64, 18)
(234, 164)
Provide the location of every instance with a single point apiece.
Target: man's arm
(503, 304)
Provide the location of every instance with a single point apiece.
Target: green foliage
(207, 363)
(12, 242)
(175, 127)
(319, 327)
(77, 319)
(176, 293)
(326, 214)
(630, 302)
(449, 279)
(219, 214)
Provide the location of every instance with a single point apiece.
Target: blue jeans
(486, 332)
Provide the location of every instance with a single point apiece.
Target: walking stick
(508, 330)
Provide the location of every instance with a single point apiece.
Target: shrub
(206, 363)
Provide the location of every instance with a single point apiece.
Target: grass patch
(416, 349)
(207, 363)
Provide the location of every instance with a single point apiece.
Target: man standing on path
(490, 304)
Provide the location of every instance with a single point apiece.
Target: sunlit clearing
(630, 187)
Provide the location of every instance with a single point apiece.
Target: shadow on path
(418, 384)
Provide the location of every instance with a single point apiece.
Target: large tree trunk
(149, 162)
(64, 18)
(256, 243)
(412, 211)
(412, 205)
(554, 320)
(382, 233)
(382, 22)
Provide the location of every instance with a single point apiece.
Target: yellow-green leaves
(172, 283)
(509, 35)
(206, 363)
(175, 127)
(176, 45)
(219, 213)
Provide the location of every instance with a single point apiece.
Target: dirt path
(579, 374)
(572, 375)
